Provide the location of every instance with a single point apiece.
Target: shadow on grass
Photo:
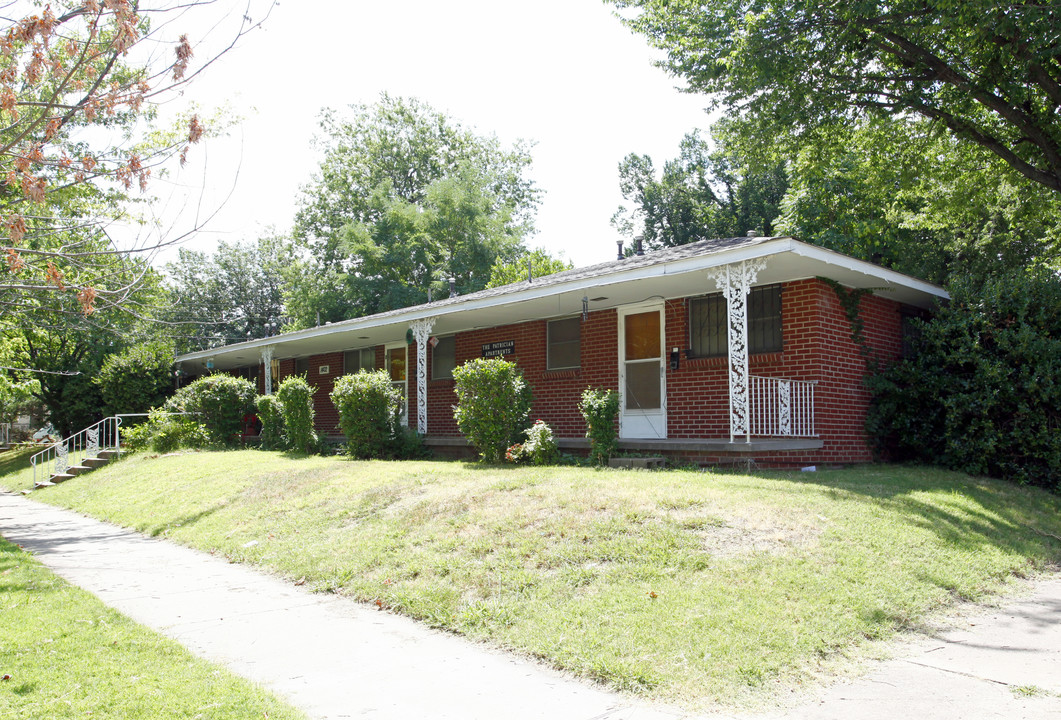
(16, 459)
(187, 520)
(963, 511)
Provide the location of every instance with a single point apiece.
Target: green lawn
(691, 587)
(63, 654)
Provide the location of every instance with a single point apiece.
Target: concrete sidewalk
(332, 657)
(335, 658)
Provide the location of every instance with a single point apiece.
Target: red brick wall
(817, 346)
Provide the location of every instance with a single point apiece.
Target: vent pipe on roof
(453, 287)
(638, 249)
(620, 244)
(753, 233)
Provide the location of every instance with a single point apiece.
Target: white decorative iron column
(421, 333)
(735, 281)
(267, 361)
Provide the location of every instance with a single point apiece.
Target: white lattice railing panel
(735, 281)
(421, 333)
(781, 408)
(89, 443)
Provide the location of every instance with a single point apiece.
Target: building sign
(499, 349)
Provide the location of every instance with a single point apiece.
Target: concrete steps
(88, 465)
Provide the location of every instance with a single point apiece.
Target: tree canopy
(706, 192)
(898, 193)
(538, 263)
(232, 294)
(405, 198)
(75, 79)
(987, 71)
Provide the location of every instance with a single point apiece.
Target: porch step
(88, 465)
(60, 478)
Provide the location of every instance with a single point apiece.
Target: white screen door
(642, 378)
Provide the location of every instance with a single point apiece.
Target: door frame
(632, 423)
(386, 362)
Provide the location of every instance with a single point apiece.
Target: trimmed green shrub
(369, 412)
(165, 433)
(982, 393)
(137, 379)
(271, 413)
(220, 401)
(600, 409)
(296, 403)
(493, 404)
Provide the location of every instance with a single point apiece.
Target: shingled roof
(631, 262)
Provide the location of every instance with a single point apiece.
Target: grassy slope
(686, 586)
(69, 656)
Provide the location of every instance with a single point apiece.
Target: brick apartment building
(722, 350)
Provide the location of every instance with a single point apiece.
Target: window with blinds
(357, 360)
(564, 344)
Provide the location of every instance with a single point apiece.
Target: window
(444, 358)
(302, 367)
(357, 360)
(564, 344)
(708, 317)
(911, 330)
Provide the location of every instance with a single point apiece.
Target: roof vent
(753, 233)
(619, 243)
(453, 287)
(638, 249)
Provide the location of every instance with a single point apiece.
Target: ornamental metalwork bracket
(421, 333)
(735, 281)
(267, 361)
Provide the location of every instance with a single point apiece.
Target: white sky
(564, 74)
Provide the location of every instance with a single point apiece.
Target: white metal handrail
(781, 408)
(74, 450)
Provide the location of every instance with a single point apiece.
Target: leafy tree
(137, 379)
(700, 194)
(986, 71)
(897, 193)
(16, 398)
(983, 392)
(53, 341)
(76, 78)
(405, 198)
(234, 294)
(538, 262)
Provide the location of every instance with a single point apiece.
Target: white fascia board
(681, 266)
(421, 312)
(831, 257)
